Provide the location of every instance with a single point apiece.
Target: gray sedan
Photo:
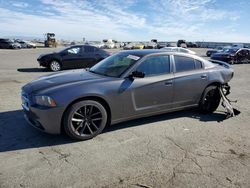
(127, 85)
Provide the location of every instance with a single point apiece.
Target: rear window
(88, 49)
(183, 63)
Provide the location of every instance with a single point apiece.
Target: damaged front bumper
(226, 103)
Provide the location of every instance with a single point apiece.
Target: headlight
(45, 101)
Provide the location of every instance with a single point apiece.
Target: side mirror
(137, 74)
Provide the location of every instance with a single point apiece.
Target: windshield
(115, 65)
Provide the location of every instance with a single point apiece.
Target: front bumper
(44, 119)
(42, 63)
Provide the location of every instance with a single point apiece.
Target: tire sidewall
(202, 101)
(70, 112)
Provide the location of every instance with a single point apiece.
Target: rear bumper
(45, 120)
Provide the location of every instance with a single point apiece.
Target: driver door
(154, 92)
(71, 58)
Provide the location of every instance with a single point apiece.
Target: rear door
(89, 56)
(190, 80)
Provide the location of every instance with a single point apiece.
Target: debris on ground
(226, 103)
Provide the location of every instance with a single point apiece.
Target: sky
(128, 20)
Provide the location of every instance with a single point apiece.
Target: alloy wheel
(55, 66)
(86, 120)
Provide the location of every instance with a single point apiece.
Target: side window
(96, 49)
(88, 49)
(183, 63)
(198, 64)
(155, 65)
(75, 50)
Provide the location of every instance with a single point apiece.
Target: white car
(178, 49)
(97, 44)
(30, 44)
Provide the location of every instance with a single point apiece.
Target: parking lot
(180, 149)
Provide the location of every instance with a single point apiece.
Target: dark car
(233, 55)
(192, 45)
(77, 56)
(8, 44)
(127, 85)
(181, 43)
(216, 50)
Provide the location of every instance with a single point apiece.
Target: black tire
(55, 66)
(210, 99)
(85, 119)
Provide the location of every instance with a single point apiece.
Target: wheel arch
(215, 83)
(95, 98)
(55, 59)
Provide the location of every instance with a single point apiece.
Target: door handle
(169, 83)
(204, 76)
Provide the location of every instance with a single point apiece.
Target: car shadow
(33, 70)
(16, 134)
(193, 113)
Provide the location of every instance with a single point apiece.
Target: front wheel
(210, 99)
(55, 66)
(85, 119)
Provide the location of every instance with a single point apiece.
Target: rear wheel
(85, 119)
(55, 66)
(210, 99)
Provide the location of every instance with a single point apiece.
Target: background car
(96, 44)
(181, 43)
(30, 44)
(139, 46)
(9, 44)
(233, 55)
(25, 44)
(129, 46)
(78, 56)
(217, 49)
(191, 45)
(178, 49)
(150, 45)
(127, 85)
(162, 45)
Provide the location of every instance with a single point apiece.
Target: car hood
(47, 54)
(221, 54)
(212, 51)
(62, 78)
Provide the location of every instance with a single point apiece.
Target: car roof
(141, 53)
(145, 52)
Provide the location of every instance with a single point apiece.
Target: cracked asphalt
(180, 149)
